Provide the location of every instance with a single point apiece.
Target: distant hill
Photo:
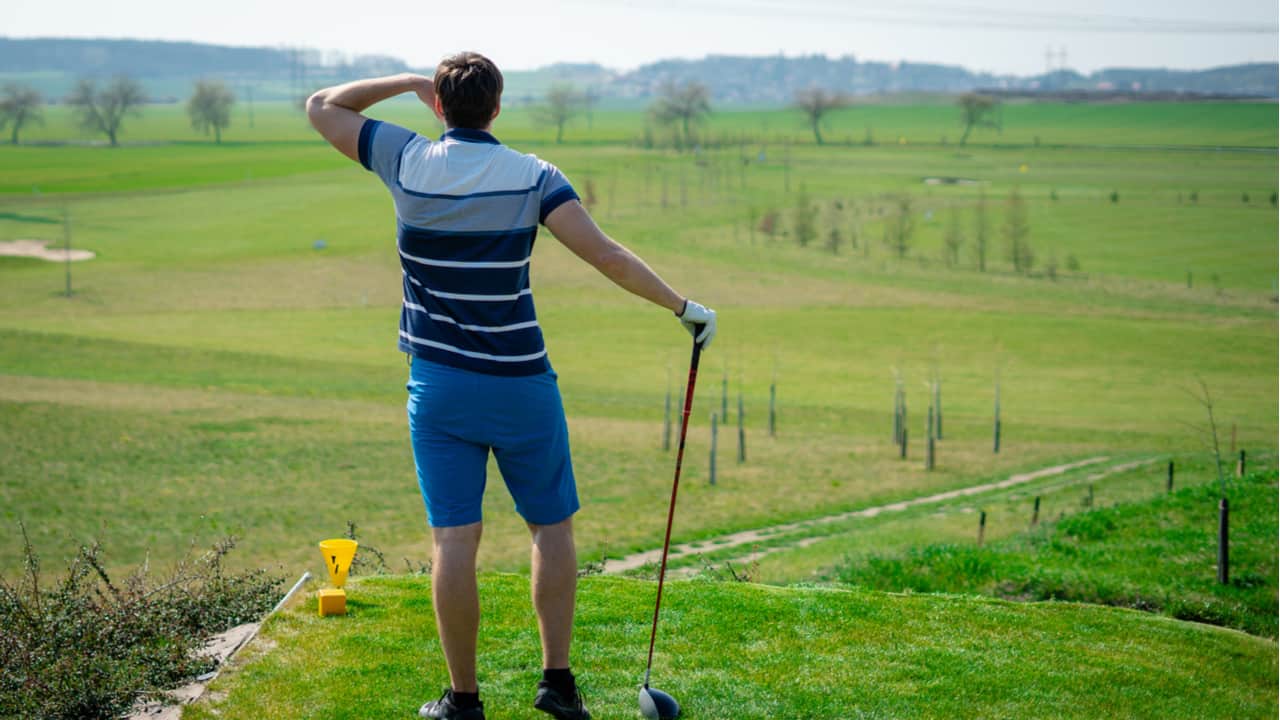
(167, 70)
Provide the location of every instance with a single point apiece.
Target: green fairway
(788, 652)
(227, 365)
(212, 358)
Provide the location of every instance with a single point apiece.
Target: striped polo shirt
(467, 211)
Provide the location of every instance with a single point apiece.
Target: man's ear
(438, 109)
(496, 110)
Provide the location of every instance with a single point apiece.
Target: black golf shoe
(446, 709)
(551, 701)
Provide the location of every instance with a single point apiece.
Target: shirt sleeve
(380, 146)
(556, 191)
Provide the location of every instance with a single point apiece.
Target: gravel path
(746, 537)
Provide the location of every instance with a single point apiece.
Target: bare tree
(210, 107)
(954, 237)
(683, 104)
(561, 104)
(804, 224)
(981, 230)
(977, 111)
(19, 105)
(1016, 229)
(103, 110)
(1210, 431)
(815, 103)
(899, 226)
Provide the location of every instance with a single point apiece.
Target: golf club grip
(675, 488)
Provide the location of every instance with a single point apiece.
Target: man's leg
(457, 601)
(555, 582)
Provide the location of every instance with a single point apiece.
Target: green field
(789, 652)
(216, 374)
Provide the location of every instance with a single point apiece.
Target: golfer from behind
(467, 212)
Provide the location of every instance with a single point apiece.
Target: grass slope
(1157, 554)
(730, 650)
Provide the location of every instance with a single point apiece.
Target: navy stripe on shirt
(366, 141)
(555, 200)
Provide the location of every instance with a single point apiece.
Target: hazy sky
(997, 35)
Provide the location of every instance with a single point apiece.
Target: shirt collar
(470, 135)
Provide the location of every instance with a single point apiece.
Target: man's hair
(469, 86)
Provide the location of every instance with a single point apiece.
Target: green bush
(88, 647)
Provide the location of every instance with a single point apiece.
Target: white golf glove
(695, 315)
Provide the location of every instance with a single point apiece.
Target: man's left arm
(335, 112)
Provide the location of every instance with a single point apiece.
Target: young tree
(803, 225)
(954, 238)
(19, 105)
(899, 226)
(1016, 229)
(816, 102)
(981, 230)
(683, 105)
(103, 110)
(977, 111)
(561, 104)
(210, 107)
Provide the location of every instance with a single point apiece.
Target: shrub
(89, 647)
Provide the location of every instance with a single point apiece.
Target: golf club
(655, 704)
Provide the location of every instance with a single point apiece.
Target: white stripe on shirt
(478, 264)
(469, 353)
(465, 296)
(477, 328)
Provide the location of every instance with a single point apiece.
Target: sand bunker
(39, 249)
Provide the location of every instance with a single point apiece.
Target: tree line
(841, 224)
(102, 109)
(682, 107)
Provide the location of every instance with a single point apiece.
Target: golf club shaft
(671, 510)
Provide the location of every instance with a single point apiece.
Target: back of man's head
(469, 86)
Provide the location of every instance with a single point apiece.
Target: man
(467, 211)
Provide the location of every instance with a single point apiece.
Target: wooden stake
(1240, 465)
(773, 414)
(1169, 482)
(1224, 575)
(714, 434)
(1035, 513)
(66, 243)
(937, 404)
(742, 433)
(982, 526)
(666, 416)
(995, 447)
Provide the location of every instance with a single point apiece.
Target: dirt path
(746, 537)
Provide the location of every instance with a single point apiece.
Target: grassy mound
(730, 650)
(1157, 555)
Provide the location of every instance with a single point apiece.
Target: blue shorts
(457, 416)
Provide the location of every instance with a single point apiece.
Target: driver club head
(657, 705)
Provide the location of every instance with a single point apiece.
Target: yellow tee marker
(338, 554)
(1023, 168)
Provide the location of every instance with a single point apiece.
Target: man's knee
(457, 537)
(564, 528)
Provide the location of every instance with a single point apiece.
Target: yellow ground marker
(338, 554)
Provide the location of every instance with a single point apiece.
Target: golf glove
(694, 315)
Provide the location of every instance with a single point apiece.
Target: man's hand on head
(426, 90)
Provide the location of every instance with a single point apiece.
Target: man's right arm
(573, 226)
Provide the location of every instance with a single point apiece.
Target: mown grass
(207, 314)
(810, 653)
(1157, 555)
